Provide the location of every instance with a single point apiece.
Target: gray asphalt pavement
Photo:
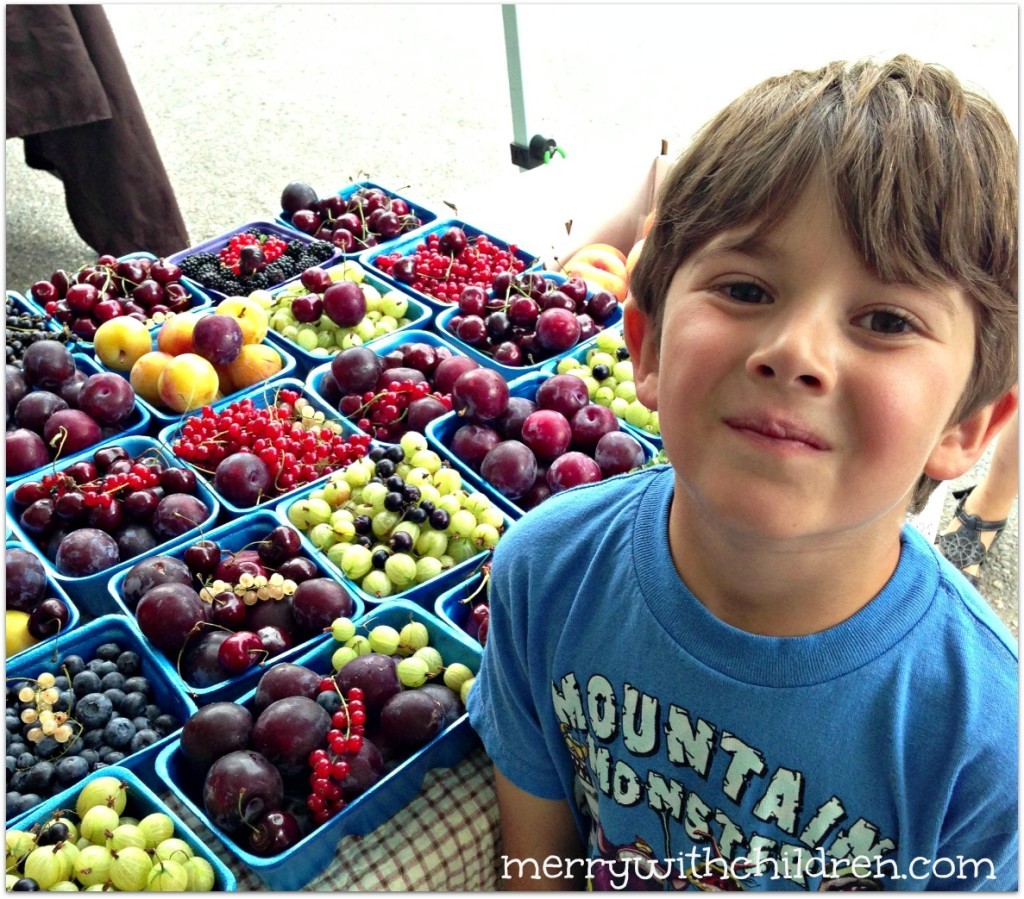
(244, 98)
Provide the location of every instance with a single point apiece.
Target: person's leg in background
(982, 510)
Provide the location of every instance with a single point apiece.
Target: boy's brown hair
(922, 170)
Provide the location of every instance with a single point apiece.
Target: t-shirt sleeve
(514, 681)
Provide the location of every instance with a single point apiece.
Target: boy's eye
(746, 292)
(884, 321)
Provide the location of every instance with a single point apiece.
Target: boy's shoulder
(963, 640)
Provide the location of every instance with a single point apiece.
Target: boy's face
(798, 395)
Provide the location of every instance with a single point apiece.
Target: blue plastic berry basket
(141, 801)
(441, 430)
(84, 641)
(297, 866)
(54, 590)
(160, 417)
(511, 372)
(49, 323)
(200, 297)
(450, 607)
(90, 592)
(580, 355)
(271, 229)
(418, 315)
(137, 423)
(424, 594)
(232, 537)
(261, 397)
(408, 245)
(425, 215)
(381, 346)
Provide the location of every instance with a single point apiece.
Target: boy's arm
(534, 830)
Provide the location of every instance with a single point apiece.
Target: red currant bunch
(330, 765)
(442, 265)
(294, 440)
(385, 413)
(270, 248)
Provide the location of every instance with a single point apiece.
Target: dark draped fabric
(71, 99)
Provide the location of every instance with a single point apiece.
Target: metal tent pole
(527, 153)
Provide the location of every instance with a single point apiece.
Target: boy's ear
(642, 344)
(964, 443)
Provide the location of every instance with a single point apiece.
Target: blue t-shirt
(881, 752)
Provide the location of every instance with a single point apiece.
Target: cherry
(240, 651)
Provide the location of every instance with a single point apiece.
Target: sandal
(963, 547)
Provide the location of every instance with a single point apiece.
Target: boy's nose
(794, 351)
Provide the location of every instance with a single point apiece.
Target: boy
(740, 670)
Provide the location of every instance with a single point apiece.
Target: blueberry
(113, 757)
(18, 781)
(112, 681)
(22, 802)
(61, 682)
(90, 757)
(16, 748)
(26, 759)
(93, 739)
(13, 722)
(129, 663)
(74, 746)
(108, 652)
(153, 712)
(71, 769)
(106, 667)
(136, 685)
(165, 724)
(73, 665)
(94, 710)
(86, 682)
(40, 777)
(65, 701)
(143, 738)
(11, 764)
(118, 733)
(47, 748)
(115, 696)
(133, 705)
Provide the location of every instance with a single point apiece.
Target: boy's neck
(784, 588)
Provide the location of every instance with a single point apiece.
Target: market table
(445, 840)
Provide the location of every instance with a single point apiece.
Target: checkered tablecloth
(445, 840)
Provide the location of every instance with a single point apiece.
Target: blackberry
(257, 281)
(321, 250)
(193, 264)
(294, 249)
(276, 273)
(255, 232)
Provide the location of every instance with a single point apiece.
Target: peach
(188, 382)
(120, 341)
(601, 255)
(249, 314)
(145, 375)
(632, 257)
(175, 334)
(599, 278)
(224, 379)
(256, 362)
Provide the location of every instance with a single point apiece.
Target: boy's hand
(533, 830)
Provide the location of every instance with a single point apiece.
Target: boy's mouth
(777, 428)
